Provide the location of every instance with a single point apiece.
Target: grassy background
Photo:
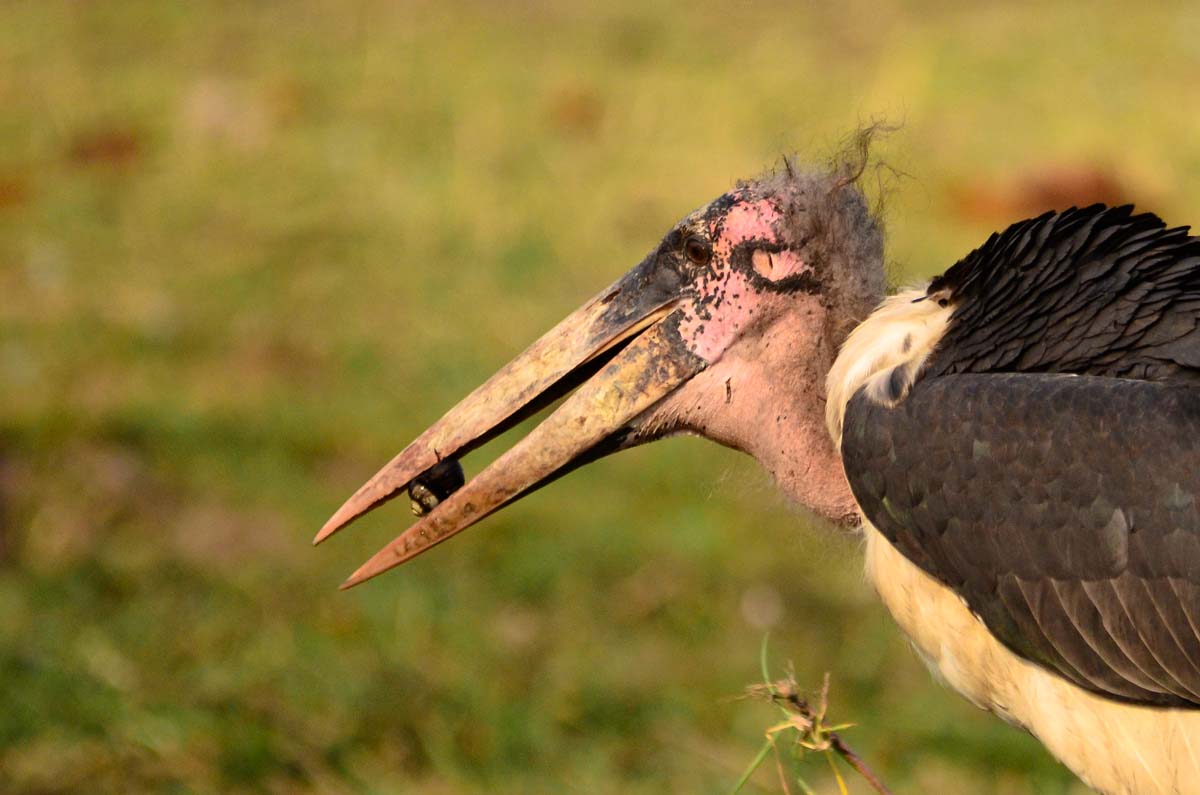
(248, 250)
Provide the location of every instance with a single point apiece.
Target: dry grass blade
(807, 719)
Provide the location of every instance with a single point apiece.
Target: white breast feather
(900, 333)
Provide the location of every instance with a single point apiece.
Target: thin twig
(779, 769)
(855, 761)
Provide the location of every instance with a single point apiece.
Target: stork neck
(805, 465)
(775, 411)
(789, 439)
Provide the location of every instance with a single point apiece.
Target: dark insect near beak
(436, 484)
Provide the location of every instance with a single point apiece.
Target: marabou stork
(1019, 440)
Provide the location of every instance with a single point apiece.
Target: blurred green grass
(247, 251)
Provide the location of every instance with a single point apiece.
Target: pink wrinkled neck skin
(762, 397)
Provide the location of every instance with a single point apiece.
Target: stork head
(725, 329)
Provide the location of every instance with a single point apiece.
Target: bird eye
(697, 250)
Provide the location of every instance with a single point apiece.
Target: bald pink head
(757, 252)
(775, 274)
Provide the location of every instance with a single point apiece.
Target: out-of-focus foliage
(248, 250)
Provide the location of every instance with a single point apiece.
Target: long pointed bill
(525, 385)
(646, 371)
(623, 353)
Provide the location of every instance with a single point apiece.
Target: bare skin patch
(777, 265)
(748, 220)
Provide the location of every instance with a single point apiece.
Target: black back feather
(1095, 291)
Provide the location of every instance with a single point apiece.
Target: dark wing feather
(1062, 508)
(1097, 291)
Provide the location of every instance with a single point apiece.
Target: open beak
(621, 354)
